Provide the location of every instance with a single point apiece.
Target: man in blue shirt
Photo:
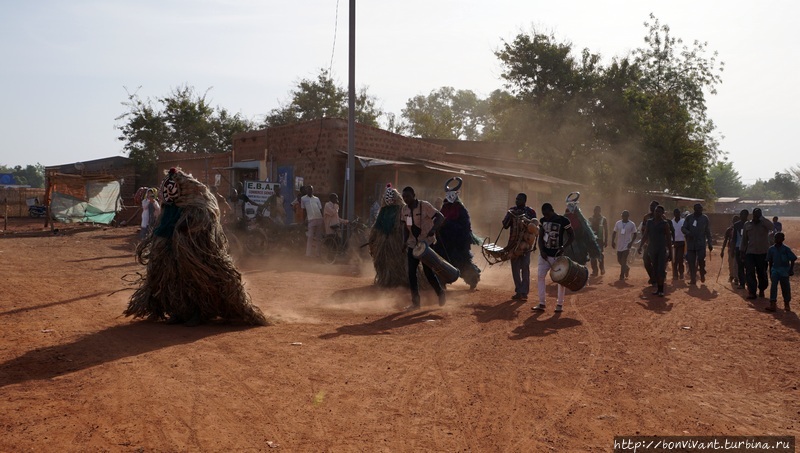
(781, 265)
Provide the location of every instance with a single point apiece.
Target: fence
(13, 200)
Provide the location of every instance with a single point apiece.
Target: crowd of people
(757, 258)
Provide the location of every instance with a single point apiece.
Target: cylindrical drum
(444, 271)
(569, 274)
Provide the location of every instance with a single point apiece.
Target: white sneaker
(559, 308)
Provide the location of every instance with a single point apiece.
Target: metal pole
(351, 119)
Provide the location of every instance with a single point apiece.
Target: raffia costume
(190, 276)
(386, 244)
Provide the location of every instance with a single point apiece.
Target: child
(781, 265)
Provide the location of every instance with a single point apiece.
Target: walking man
(313, 213)
(422, 222)
(551, 244)
(648, 265)
(658, 240)
(698, 233)
(781, 266)
(627, 234)
(599, 226)
(738, 234)
(733, 270)
(679, 244)
(755, 243)
(521, 265)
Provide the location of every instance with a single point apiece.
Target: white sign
(259, 192)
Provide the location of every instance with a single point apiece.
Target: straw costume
(386, 244)
(190, 277)
(585, 245)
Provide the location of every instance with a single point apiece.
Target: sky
(66, 66)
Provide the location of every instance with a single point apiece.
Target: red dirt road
(482, 374)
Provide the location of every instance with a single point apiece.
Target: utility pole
(351, 119)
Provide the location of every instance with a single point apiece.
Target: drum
(521, 240)
(445, 271)
(569, 274)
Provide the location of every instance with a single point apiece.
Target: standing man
(777, 227)
(679, 244)
(298, 214)
(330, 215)
(551, 244)
(659, 247)
(277, 213)
(150, 212)
(627, 234)
(755, 243)
(738, 234)
(313, 213)
(599, 226)
(422, 222)
(781, 266)
(698, 233)
(648, 265)
(521, 265)
(733, 270)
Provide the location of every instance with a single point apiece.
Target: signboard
(259, 192)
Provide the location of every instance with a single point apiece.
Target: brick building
(210, 169)
(315, 153)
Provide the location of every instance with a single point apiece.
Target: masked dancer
(190, 277)
(454, 239)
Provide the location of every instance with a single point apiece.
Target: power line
(335, 29)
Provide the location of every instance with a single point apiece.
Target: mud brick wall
(315, 149)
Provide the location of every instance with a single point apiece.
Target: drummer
(520, 265)
(422, 221)
(552, 243)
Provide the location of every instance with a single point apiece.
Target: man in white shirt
(626, 231)
(313, 208)
(679, 244)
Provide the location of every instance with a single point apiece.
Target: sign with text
(259, 192)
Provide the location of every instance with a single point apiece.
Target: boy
(781, 265)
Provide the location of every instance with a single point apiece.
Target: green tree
(795, 172)
(30, 175)
(726, 180)
(638, 123)
(446, 113)
(549, 115)
(759, 191)
(323, 98)
(784, 185)
(182, 121)
(671, 68)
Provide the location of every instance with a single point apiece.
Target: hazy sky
(64, 65)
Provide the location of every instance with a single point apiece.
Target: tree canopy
(446, 113)
(638, 122)
(726, 180)
(323, 98)
(30, 175)
(181, 121)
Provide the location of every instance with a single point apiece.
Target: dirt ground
(345, 370)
